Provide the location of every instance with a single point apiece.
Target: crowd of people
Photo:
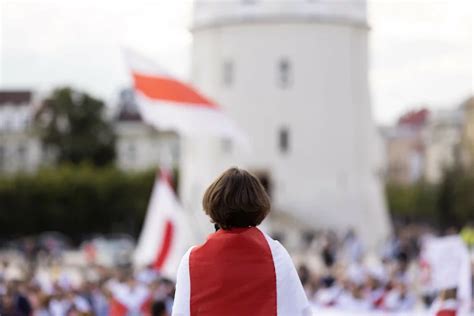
(94, 290)
(336, 274)
(347, 279)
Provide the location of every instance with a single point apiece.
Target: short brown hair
(236, 199)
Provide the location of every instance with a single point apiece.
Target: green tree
(73, 128)
(456, 198)
(447, 197)
(414, 202)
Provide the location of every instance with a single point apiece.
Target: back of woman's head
(236, 199)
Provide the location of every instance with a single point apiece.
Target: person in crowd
(353, 247)
(239, 270)
(14, 302)
(129, 297)
(446, 304)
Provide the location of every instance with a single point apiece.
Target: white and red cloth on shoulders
(239, 272)
(449, 307)
(129, 300)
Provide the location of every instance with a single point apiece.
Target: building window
(283, 139)
(2, 157)
(22, 155)
(131, 152)
(226, 145)
(284, 73)
(228, 73)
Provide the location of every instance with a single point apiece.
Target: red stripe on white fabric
(169, 89)
(165, 175)
(164, 251)
(233, 274)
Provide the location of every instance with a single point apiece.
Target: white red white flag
(165, 236)
(241, 271)
(170, 104)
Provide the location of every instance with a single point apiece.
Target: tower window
(226, 145)
(284, 73)
(228, 73)
(283, 139)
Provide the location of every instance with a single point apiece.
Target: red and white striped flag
(170, 104)
(165, 235)
(241, 271)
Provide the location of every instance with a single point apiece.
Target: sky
(421, 51)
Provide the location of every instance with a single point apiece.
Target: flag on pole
(165, 235)
(170, 104)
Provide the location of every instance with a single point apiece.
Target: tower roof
(209, 13)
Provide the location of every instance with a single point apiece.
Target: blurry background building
(442, 142)
(293, 74)
(405, 147)
(423, 143)
(139, 145)
(20, 148)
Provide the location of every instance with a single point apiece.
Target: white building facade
(293, 75)
(442, 142)
(20, 148)
(140, 146)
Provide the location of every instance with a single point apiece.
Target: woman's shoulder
(275, 246)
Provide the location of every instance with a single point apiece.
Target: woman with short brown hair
(239, 270)
(236, 199)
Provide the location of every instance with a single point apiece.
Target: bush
(76, 201)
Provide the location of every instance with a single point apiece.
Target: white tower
(293, 75)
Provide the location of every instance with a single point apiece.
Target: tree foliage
(413, 202)
(73, 129)
(449, 203)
